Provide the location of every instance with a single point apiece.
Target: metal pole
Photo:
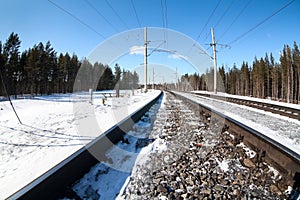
(176, 81)
(145, 58)
(153, 79)
(213, 44)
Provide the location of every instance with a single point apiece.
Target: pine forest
(264, 78)
(39, 70)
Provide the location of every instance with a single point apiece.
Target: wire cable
(137, 17)
(261, 22)
(220, 19)
(79, 20)
(166, 14)
(224, 13)
(116, 13)
(162, 13)
(236, 18)
(166, 22)
(163, 19)
(99, 13)
(209, 18)
(206, 36)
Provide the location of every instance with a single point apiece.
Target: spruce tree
(296, 66)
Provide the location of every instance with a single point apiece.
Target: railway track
(276, 109)
(55, 183)
(286, 161)
(206, 164)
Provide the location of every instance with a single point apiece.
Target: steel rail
(285, 160)
(277, 109)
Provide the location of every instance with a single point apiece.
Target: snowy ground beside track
(53, 127)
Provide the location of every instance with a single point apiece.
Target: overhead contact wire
(99, 13)
(261, 22)
(116, 13)
(136, 15)
(79, 20)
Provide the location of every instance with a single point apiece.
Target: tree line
(39, 71)
(264, 78)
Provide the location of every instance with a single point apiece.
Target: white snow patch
(178, 179)
(163, 102)
(162, 197)
(250, 153)
(275, 172)
(289, 190)
(157, 146)
(50, 131)
(109, 179)
(223, 165)
(179, 191)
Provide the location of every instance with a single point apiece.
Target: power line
(156, 49)
(209, 18)
(207, 34)
(137, 18)
(166, 13)
(163, 20)
(93, 7)
(220, 19)
(162, 13)
(79, 20)
(260, 23)
(166, 21)
(236, 18)
(116, 13)
(224, 13)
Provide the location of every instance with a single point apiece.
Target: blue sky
(40, 20)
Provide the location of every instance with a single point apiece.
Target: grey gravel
(190, 166)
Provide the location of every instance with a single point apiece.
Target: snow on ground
(280, 128)
(223, 165)
(53, 127)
